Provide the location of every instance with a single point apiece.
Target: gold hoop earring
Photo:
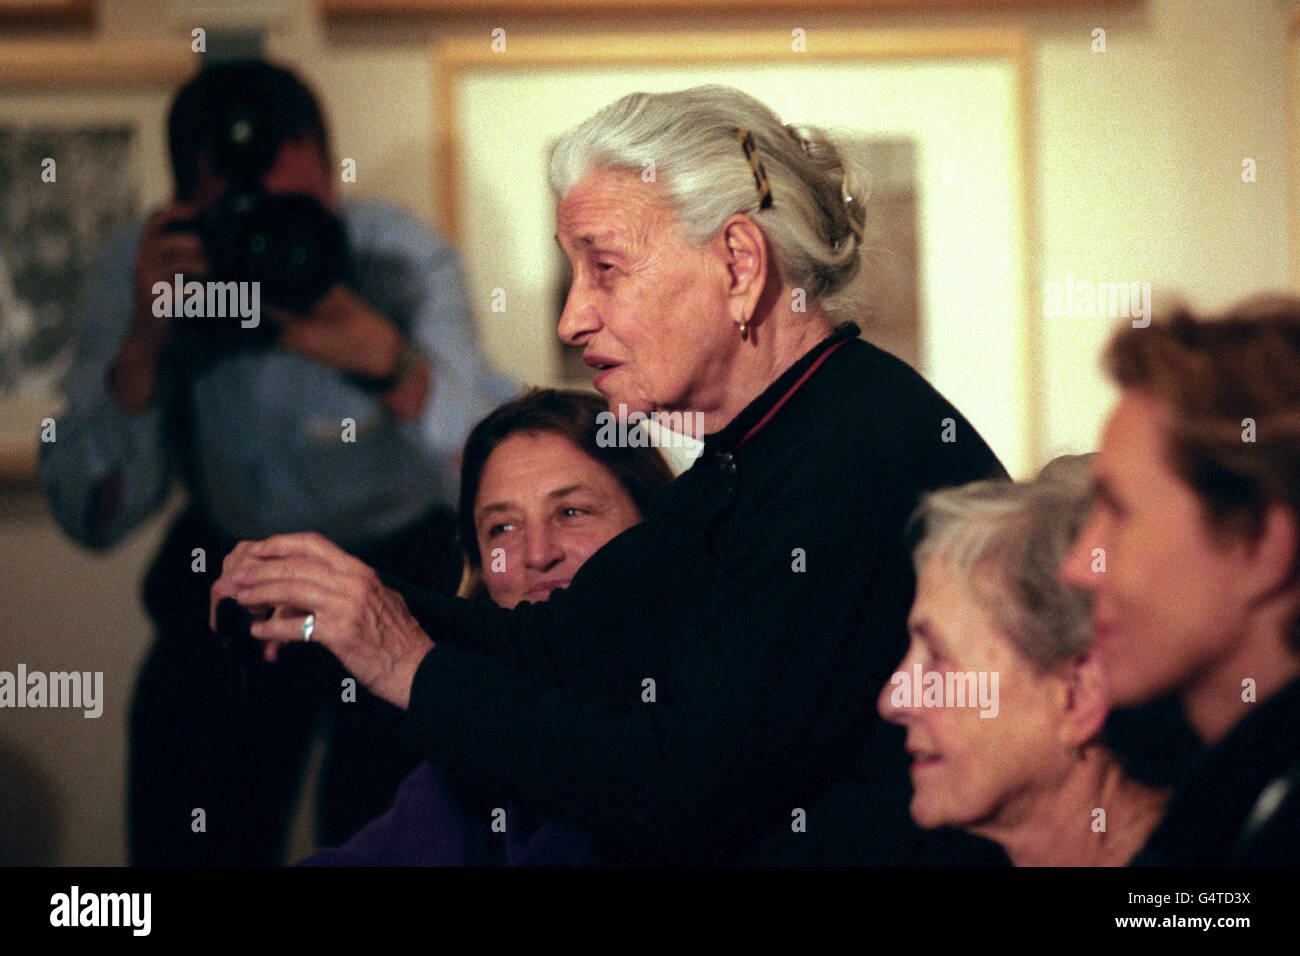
(744, 331)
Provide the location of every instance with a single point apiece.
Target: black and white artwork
(63, 191)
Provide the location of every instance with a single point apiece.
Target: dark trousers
(219, 738)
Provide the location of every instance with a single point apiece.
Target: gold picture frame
(66, 86)
(354, 9)
(47, 13)
(1293, 148)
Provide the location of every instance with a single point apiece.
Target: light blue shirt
(266, 447)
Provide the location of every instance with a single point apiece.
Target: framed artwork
(82, 154)
(1293, 135)
(551, 8)
(938, 118)
(21, 13)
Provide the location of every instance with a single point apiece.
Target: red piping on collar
(793, 388)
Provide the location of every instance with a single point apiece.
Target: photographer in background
(341, 408)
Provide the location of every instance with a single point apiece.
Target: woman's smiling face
(543, 508)
(974, 767)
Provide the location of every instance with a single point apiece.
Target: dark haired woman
(539, 495)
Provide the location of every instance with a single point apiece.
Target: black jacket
(704, 691)
(1219, 815)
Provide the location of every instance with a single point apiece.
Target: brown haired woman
(1190, 556)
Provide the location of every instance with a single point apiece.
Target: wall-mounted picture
(46, 12)
(78, 162)
(937, 123)
(63, 192)
(354, 9)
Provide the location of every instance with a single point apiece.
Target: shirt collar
(761, 410)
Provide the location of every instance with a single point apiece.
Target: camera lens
(295, 247)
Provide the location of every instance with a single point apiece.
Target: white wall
(1140, 174)
(1137, 177)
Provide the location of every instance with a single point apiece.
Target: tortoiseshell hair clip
(746, 140)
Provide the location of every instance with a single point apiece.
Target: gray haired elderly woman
(1003, 702)
(696, 693)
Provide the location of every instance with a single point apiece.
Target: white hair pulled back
(816, 217)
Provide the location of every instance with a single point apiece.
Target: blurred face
(543, 507)
(647, 307)
(299, 167)
(981, 773)
(1165, 611)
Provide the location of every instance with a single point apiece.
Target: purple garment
(434, 822)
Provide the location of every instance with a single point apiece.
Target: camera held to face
(289, 243)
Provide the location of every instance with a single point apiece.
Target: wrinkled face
(543, 507)
(647, 307)
(967, 770)
(1164, 607)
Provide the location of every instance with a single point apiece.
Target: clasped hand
(366, 625)
(341, 331)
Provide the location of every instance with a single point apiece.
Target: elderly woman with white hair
(1003, 699)
(696, 694)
